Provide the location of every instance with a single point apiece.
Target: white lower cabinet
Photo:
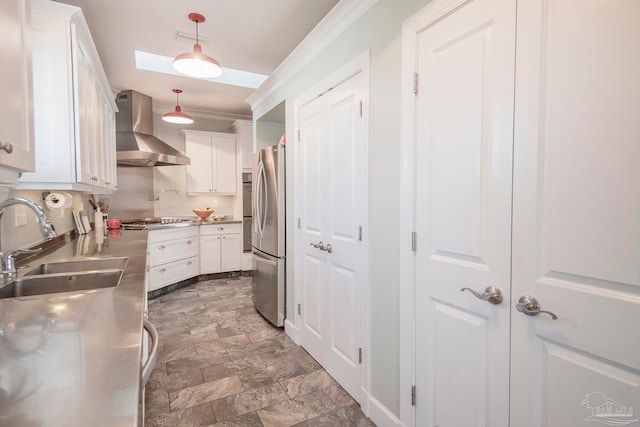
(173, 255)
(220, 248)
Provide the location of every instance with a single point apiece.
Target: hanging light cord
(197, 37)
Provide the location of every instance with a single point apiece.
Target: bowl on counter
(203, 213)
(114, 223)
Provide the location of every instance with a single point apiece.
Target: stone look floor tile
(197, 361)
(195, 395)
(293, 411)
(248, 401)
(304, 384)
(242, 367)
(197, 416)
(347, 416)
(246, 420)
(221, 364)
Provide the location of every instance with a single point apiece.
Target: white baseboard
(292, 330)
(379, 414)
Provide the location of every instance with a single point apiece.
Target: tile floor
(221, 364)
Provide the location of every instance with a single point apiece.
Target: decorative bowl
(203, 213)
(113, 223)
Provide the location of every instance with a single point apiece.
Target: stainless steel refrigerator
(268, 233)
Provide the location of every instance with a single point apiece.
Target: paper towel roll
(59, 201)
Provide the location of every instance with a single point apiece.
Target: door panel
(464, 375)
(312, 228)
(463, 211)
(576, 234)
(333, 182)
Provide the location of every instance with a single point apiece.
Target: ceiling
(247, 35)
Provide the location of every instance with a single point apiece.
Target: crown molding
(341, 17)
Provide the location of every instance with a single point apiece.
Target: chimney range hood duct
(135, 143)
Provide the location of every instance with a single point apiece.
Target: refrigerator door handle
(261, 199)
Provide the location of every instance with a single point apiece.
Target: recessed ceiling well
(249, 38)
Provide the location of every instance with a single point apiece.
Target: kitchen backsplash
(15, 237)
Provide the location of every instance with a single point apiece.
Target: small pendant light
(177, 116)
(196, 63)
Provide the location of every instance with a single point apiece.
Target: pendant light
(177, 116)
(196, 63)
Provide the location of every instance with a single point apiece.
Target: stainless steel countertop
(73, 359)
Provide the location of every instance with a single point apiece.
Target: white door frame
(359, 64)
(427, 16)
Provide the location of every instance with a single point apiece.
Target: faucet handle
(9, 263)
(48, 230)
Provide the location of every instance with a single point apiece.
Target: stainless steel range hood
(135, 143)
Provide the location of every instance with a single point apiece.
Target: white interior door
(464, 120)
(332, 156)
(576, 233)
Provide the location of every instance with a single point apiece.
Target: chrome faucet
(48, 231)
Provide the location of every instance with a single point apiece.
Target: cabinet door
(52, 80)
(199, 172)
(87, 118)
(16, 120)
(225, 178)
(109, 141)
(244, 138)
(231, 248)
(210, 249)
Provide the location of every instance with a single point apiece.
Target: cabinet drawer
(207, 230)
(167, 274)
(172, 233)
(173, 250)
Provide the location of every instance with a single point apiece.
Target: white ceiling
(248, 35)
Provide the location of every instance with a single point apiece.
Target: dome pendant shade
(177, 116)
(196, 63)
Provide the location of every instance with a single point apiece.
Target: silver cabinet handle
(189, 263)
(161, 247)
(189, 242)
(162, 270)
(153, 355)
(6, 147)
(492, 294)
(328, 248)
(531, 307)
(317, 245)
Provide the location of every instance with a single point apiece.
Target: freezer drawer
(268, 284)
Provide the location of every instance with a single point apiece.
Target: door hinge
(413, 395)
(360, 233)
(299, 222)
(299, 309)
(298, 135)
(360, 108)
(414, 241)
(360, 355)
(415, 83)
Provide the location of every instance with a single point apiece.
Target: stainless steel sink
(116, 263)
(51, 284)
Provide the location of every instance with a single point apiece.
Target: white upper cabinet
(16, 120)
(74, 108)
(244, 138)
(213, 163)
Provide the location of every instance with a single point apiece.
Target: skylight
(162, 64)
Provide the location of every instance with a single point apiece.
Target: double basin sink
(67, 276)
